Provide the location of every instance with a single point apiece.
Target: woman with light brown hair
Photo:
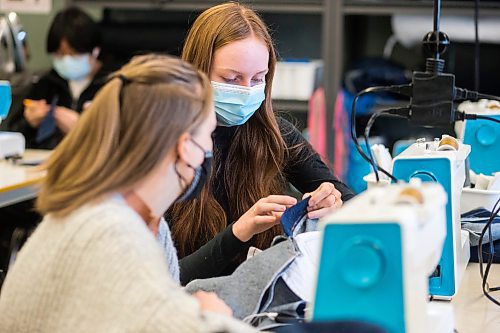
(256, 154)
(93, 264)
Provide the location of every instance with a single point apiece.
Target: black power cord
(461, 94)
(484, 273)
(471, 116)
(485, 118)
(398, 89)
(397, 113)
(476, 45)
(408, 112)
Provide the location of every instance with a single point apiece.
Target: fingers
(86, 105)
(66, 118)
(61, 111)
(281, 199)
(329, 201)
(35, 111)
(265, 208)
(37, 107)
(321, 212)
(317, 214)
(269, 219)
(209, 301)
(323, 191)
(325, 199)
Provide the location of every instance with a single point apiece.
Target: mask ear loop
(189, 187)
(182, 181)
(180, 177)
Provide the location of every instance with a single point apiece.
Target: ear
(182, 148)
(95, 52)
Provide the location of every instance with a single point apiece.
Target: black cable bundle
(484, 272)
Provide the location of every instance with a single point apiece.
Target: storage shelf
(367, 7)
(306, 7)
(290, 105)
(332, 14)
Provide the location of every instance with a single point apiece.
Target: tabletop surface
(15, 176)
(474, 313)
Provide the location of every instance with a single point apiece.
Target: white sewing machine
(441, 161)
(376, 257)
(11, 144)
(482, 135)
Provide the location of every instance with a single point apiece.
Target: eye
(257, 81)
(230, 80)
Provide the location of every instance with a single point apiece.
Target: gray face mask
(201, 175)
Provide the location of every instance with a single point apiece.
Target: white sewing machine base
(441, 319)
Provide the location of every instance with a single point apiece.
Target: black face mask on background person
(201, 175)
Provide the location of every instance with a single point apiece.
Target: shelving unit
(333, 37)
(272, 6)
(275, 12)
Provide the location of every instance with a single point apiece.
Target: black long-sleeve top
(306, 172)
(49, 86)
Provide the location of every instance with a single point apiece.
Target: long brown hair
(254, 164)
(134, 121)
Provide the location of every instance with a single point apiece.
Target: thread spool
(448, 143)
(493, 105)
(410, 195)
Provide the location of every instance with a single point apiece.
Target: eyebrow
(239, 73)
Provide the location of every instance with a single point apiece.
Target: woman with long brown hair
(93, 264)
(256, 154)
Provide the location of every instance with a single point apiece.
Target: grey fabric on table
(244, 290)
(256, 291)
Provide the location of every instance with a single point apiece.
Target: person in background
(93, 264)
(55, 102)
(256, 154)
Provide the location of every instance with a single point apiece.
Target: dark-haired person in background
(55, 102)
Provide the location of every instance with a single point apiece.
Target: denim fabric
(332, 327)
(283, 307)
(474, 222)
(293, 216)
(474, 252)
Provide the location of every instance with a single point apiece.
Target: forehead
(249, 55)
(65, 47)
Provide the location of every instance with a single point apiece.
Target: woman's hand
(66, 118)
(35, 111)
(211, 302)
(325, 199)
(262, 216)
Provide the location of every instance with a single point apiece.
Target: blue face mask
(5, 99)
(234, 105)
(72, 68)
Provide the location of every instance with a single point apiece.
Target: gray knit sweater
(99, 269)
